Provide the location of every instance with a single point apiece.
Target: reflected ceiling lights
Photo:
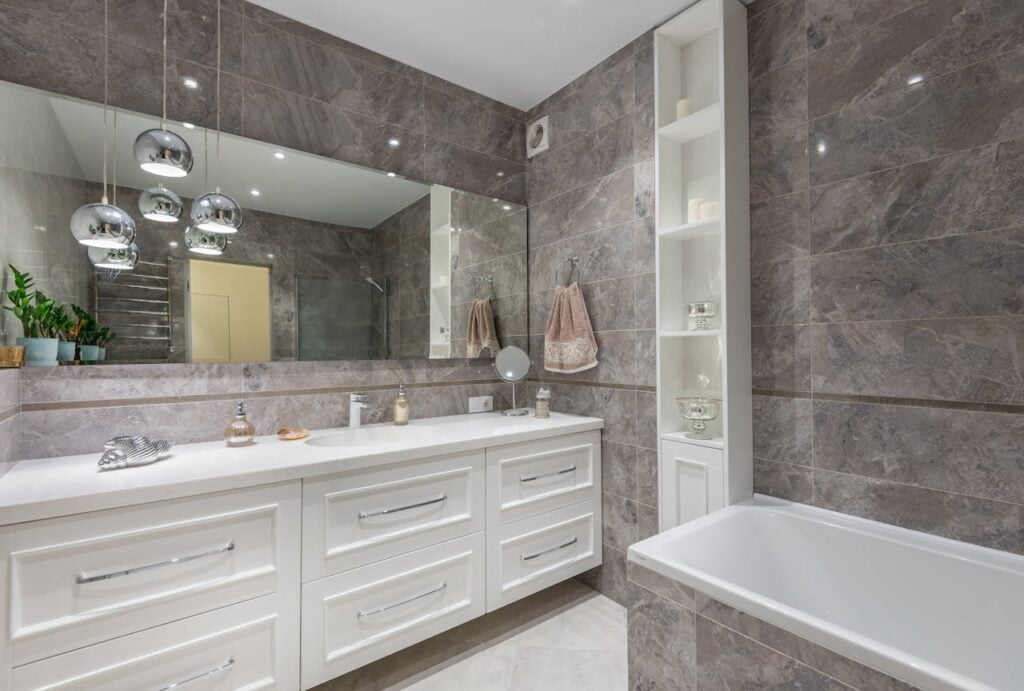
(211, 244)
(160, 204)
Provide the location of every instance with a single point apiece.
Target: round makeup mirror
(512, 364)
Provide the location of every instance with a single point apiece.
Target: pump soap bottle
(240, 432)
(401, 408)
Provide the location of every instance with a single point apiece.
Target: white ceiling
(515, 52)
(299, 185)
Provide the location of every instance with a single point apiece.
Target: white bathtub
(933, 612)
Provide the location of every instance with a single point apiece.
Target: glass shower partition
(344, 319)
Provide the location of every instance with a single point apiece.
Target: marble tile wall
(401, 253)
(592, 195)
(282, 82)
(681, 638)
(10, 418)
(887, 252)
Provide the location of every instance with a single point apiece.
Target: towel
(480, 332)
(569, 343)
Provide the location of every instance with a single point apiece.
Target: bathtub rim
(904, 666)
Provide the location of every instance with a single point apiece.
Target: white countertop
(44, 488)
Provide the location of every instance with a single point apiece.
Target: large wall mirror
(332, 261)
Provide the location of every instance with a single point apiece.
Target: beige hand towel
(480, 332)
(569, 343)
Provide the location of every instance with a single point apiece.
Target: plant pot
(90, 353)
(66, 351)
(103, 354)
(12, 356)
(39, 352)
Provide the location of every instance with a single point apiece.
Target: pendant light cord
(105, 79)
(113, 186)
(163, 112)
(218, 93)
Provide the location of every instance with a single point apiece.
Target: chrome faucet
(356, 403)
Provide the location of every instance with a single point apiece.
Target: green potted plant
(105, 337)
(34, 311)
(64, 330)
(88, 335)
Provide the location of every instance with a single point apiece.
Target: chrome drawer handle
(563, 471)
(203, 675)
(385, 608)
(82, 578)
(549, 550)
(385, 512)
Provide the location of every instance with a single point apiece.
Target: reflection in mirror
(332, 260)
(512, 364)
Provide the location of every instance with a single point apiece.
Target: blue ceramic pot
(90, 353)
(39, 352)
(66, 351)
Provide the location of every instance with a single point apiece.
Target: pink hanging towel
(569, 343)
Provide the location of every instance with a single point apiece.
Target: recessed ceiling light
(391, 175)
(501, 173)
(822, 148)
(915, 79)
(254, 192)
(270, 256)
(495, 199)
(173, 243)
(394, 142)
(506, 207)
(190, 83)
(188, 125)
(279, 155)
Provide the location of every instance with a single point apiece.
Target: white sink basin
(374, 436)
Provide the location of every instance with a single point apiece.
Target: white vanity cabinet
(289, 584)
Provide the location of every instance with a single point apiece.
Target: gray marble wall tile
(784, 480)
(781, 357)
(778, 163)
(975, 359)
(779, 228)
(464, 94)
(990, 523)
(962, 276)
(646, 239)
(619, 516)
(10, 432)
(610, 303)
(618, 407)
(586, 159)
(619, 469)
(643, 72)
(603, 254)
(971, 107)
(646, 301)
(666, 587)
(609, 579)
(662, 641)
(123, 382)
(468, 124)
(776, 37)
(782, 429)
(645, 131)
(778, 99)
(930, 39)
(780, 293)
(10, 389)
(646, 420)
(616, 359)
(645, 181)
(473, 171)
(646, 358)
(831, 20)
(958, 193)
(602, 203)
(647, 477)
(646, 521)
(953, 450)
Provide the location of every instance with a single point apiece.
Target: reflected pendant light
(216, 212)
(160, 204)
(160, 151)
(200, 242)
(120, 259)
(103, 225)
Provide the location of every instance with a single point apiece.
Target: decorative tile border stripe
(1008, 408)
(243, 395)
(593, 384)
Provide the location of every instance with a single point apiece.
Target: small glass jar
(702, 315)
(543, 403)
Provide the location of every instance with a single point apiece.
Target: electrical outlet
(481, 404)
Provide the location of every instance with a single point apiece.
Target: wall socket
(481, 404)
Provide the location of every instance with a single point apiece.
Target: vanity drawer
(538, 552)
(361, 615)
(356, 518)
(79, 580)
(534, 477)
(252, 645)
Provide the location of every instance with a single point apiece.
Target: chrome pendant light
(104, 225)
(160, 204)
(200, 242)
(160, 151)
(120, 259)
(216, 212)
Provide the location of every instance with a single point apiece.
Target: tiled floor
(565, 638)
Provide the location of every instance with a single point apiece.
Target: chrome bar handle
(83, 579)
(385, 512)
(418, 596)
(203, 675)
(563, 471)
(549, 550)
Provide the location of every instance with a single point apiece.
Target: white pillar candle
(708, 210)
(693, 210)
(684, 107)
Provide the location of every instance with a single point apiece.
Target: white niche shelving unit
(701, 55)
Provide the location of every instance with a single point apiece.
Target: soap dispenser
(240, 432)
(401, 407)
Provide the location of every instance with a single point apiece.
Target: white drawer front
(538, 552)
(252, 645)
(357, 518)
(533, 477)
(358, 616)
(83, 579)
